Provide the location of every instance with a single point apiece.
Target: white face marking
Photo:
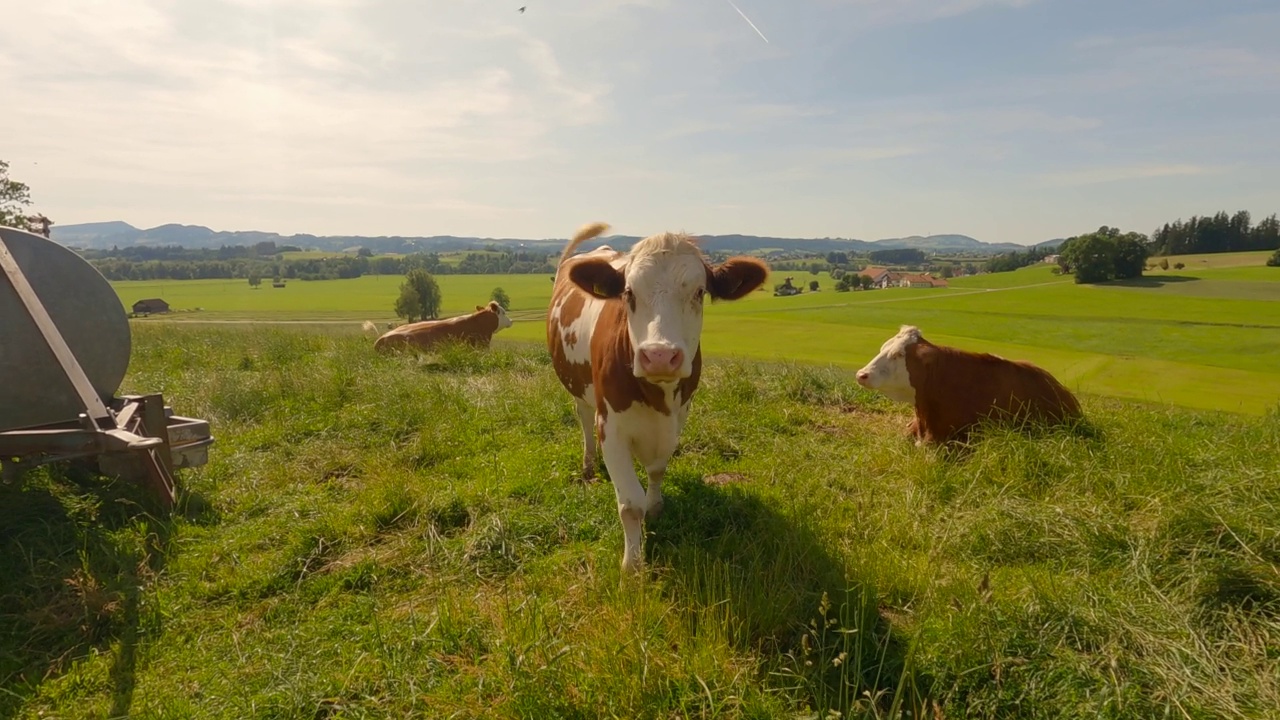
(503, 320)
(666, 281)
(887, 372)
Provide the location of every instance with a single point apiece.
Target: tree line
(176, 263)
(1215, 234)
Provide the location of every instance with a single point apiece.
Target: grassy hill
(400, 537)
(1203, 338)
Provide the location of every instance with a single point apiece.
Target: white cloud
(464, 116)
(1119, 173)
(899, 12)
(263, 108)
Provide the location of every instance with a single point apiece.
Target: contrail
(744, 17)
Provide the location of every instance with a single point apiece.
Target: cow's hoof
(653, 511)
(588, 478)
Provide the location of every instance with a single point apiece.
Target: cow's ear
(736, 277)
(478, 308)
(597, 277)
(493, 305)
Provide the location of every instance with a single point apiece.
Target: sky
(1006, 120)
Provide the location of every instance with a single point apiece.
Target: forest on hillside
(1215, 233)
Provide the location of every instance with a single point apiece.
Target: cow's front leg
(653, 495)
(587, 419)
(631, 497)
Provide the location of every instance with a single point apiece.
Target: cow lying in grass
(624, 331)
(476, 329)
(953, 390)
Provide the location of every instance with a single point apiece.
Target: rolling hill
(102, 235)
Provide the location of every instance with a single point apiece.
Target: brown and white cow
(953, 390)
(624, 331)
(475, 329)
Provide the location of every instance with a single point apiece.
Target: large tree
(1104, 255)
(14, 199)
(419, 297)
(1130, 255)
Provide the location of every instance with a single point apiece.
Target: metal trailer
(64, 351)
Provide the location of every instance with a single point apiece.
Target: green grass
(399, 537)
(370, 297)
(1204, 338)
(1215, 260)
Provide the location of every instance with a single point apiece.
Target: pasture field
(1205, 338)
(313, 254)
(370, 297)
(1255, 258)
(396, 536)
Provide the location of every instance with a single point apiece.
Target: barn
(150, 305)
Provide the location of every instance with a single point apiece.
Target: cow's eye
(629, 298)
(700, 294)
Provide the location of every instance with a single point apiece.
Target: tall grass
(402, 537)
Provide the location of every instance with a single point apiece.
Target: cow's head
(662, 286)
(887, 372)
(496, 309)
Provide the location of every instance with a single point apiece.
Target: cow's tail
(587, 232)
(368, 326)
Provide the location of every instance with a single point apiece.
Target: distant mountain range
(104, 235)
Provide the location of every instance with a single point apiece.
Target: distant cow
(624, 331)
(953, 389)
(475, 329)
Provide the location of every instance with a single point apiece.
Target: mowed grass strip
(400, 537)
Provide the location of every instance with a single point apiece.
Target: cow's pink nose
(661, 360)
(863, 377)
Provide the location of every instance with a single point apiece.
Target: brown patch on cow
(475, 329)
(688, 386)
(957, 389)
(571, 306)
(575, 376)
(611, 358)
(724, 478)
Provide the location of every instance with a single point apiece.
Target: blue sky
(1008, 120)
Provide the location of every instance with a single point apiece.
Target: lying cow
(476, 329)
(954, 389)
(624, 331)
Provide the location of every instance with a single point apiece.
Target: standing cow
(476, 329)
(954, 389)
(624, 331)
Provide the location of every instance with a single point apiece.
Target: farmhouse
(921, 281)
(881, 278)
(150, 305)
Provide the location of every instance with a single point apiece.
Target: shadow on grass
(740, 567)
(1151, 281)
(77, 553)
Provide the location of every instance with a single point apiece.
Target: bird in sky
(522, 7)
